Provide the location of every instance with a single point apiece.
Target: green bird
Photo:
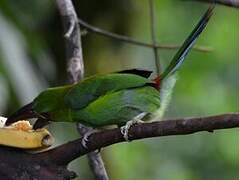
(107, 99)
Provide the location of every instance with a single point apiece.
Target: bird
(119, 98)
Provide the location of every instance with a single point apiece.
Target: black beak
(23, 113)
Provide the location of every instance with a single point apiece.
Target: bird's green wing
(95, 86)
(118, 107)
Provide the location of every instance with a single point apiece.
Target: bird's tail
(179, 57)
(167, 86)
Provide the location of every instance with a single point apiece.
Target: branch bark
(76, 72)
(74, 149)
(17, 164)
(73, 40)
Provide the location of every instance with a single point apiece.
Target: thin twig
(153, 36)
(230, 3)
(76, 72)
(74, 149)
(130, 40)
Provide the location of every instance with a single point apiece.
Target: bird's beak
(23, 113)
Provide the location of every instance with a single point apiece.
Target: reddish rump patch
(157, 82)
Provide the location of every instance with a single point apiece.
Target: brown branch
(76, 71)
(74, 149)
(130, 40)
(17, 164)
(230, 3)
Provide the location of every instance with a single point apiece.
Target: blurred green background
(32, 58)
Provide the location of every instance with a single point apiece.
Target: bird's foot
(86, 136)
(136, 120)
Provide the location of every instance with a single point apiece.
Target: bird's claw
(86, 136)
(125, 129)
(84, 141)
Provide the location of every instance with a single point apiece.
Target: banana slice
(21, 135)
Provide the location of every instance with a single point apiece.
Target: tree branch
(129, 40)
(95, 160)
(73, 40)
(153, 36)
(74, 149)
(76, 72)
(17, 164)
(230, 3)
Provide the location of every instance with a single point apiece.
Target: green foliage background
(32, 58)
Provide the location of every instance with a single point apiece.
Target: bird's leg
(136, 120)
(86, 136)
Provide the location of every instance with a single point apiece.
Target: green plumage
(100, 100)
(114, 98)
(119, 107)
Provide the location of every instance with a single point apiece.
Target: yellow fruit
(21, 135)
